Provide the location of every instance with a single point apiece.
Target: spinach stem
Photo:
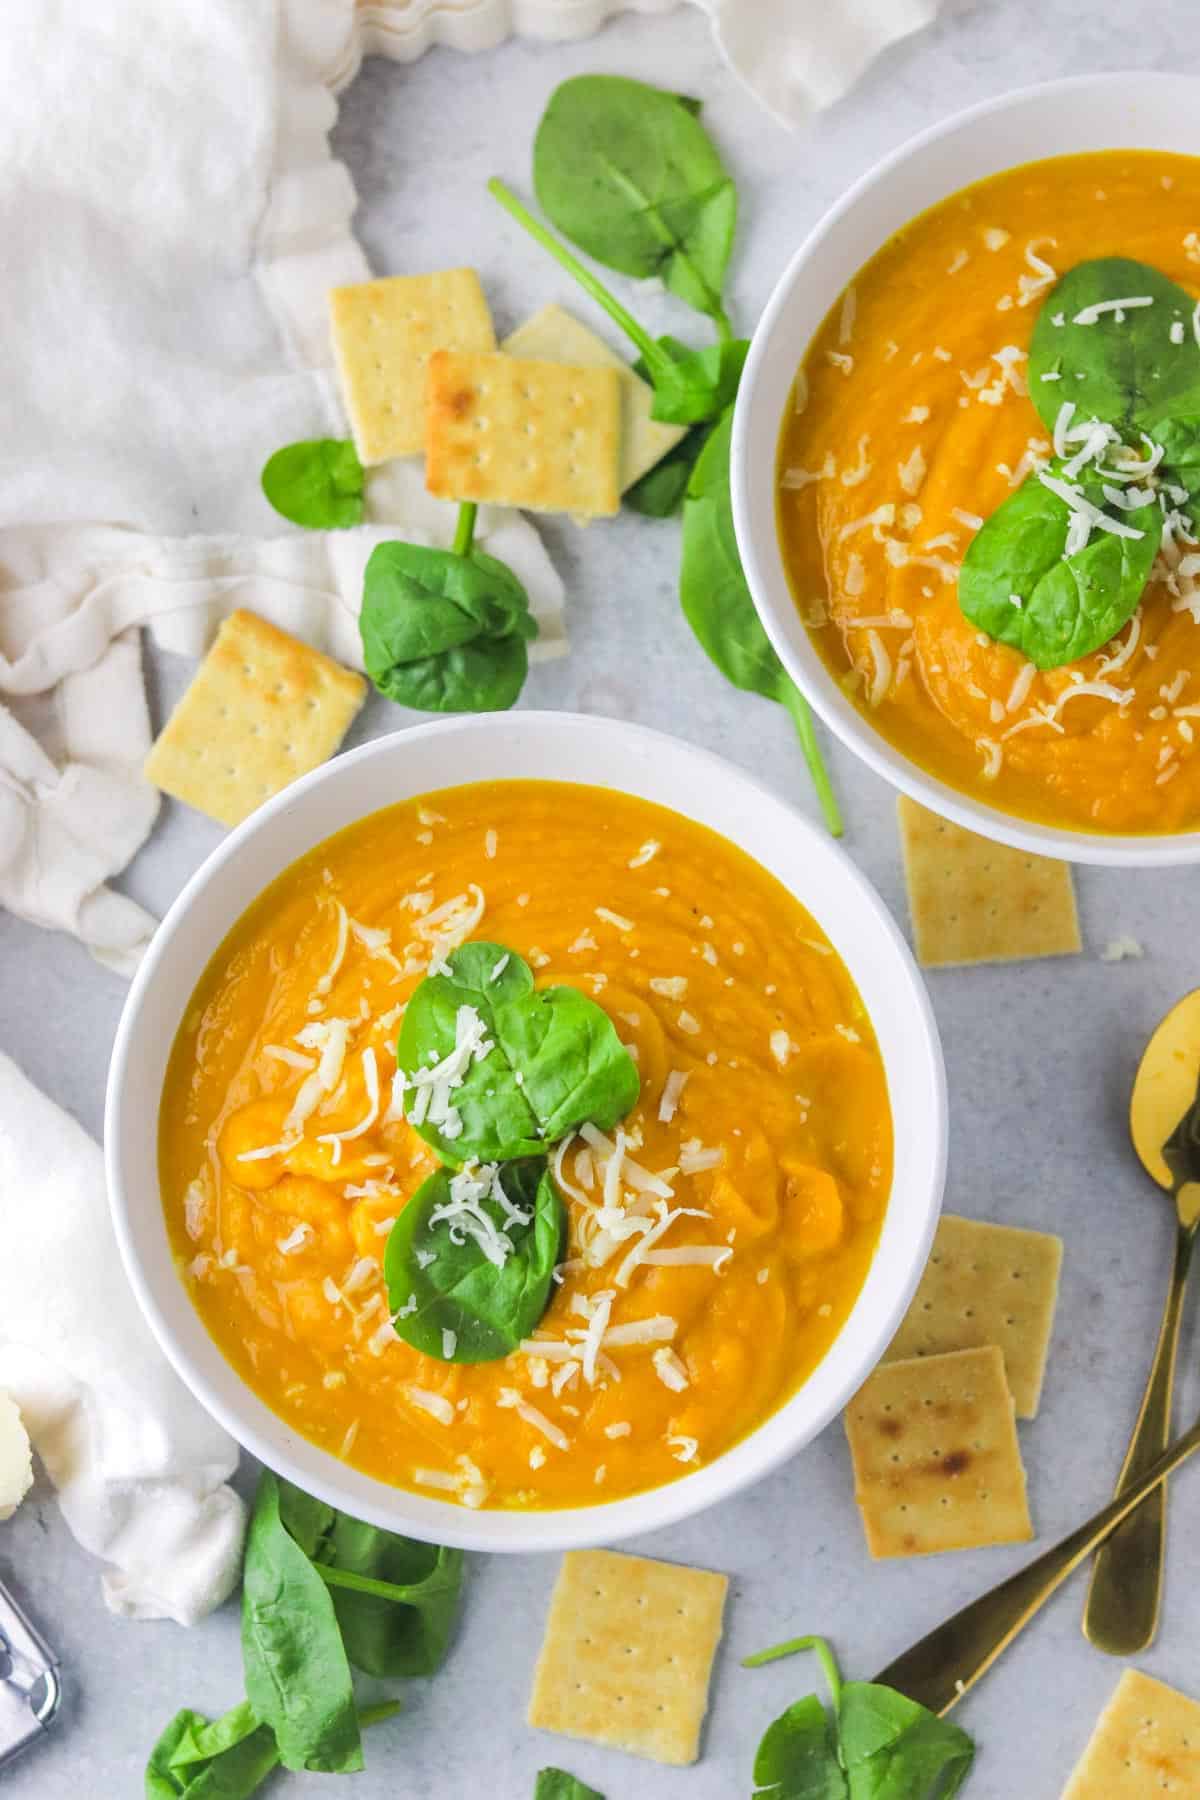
(802, 719)
(375, 1715)
(558, 250)
(464, 531)
(363, 1584)
(833, 1674)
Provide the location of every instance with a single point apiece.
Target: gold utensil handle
(940, 1669)
(1121, 1613)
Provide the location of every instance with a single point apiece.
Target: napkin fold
(169, 248)
(139, 1467)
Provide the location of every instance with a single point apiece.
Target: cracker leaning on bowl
(262, 709)
(986, 1284)
(974, 901)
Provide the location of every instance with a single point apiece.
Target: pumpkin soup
(914, 423)
(712, 1176)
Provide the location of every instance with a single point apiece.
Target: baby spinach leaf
(1119, 365)
(1069, 604)
(555, 1059)
(895, 1749)
(406, 1630)
(797, 1758)
(297, 1676)
(443, 1267)
(211, 1759)
(629, 173)
(718, 606)
(444, 630)
(698, 385)
(318, 483)
(875, 1744)
(556, 1784)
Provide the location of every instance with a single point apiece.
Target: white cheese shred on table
(1122, 949)
(511, 1400)
(436, 1405)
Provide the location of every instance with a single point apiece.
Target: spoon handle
(1121, 1613)
(940, 1669)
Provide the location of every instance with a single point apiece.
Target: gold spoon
(940, 1669)
(1121, 1614)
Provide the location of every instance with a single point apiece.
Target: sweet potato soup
(716, 1238)
(914, 421)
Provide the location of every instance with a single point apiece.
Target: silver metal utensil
(30, 1688)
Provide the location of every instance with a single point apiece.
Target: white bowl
(1091, 112)
(539, 746)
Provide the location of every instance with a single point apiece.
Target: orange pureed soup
(917, 425)
(774, 1153)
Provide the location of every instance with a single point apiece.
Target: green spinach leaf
(629, 173)
(453, 1275)
(797, 1758)
(211, 1759)
(395, 1599)
(1121, 365)
(895, 1749)
(399, 1621)
(690, 386)
(874, 1744)
(553, 1059)
(318, 483)
(717, 605)
(297, 1676)
(698, 385)
(1019, 583)
(556, 1784)
(444, 630)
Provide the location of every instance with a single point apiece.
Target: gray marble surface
(1040, 1056)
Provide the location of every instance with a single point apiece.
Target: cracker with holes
(1146, 1741)
(520, 432)
(936, 1460)
(987, 1284)
(628, 1654)
(262, 709)
(973, 901)
(553, 335)
(383, 335)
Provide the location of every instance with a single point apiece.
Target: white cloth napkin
(795, 56)
(164, 332)
(139, 1466)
